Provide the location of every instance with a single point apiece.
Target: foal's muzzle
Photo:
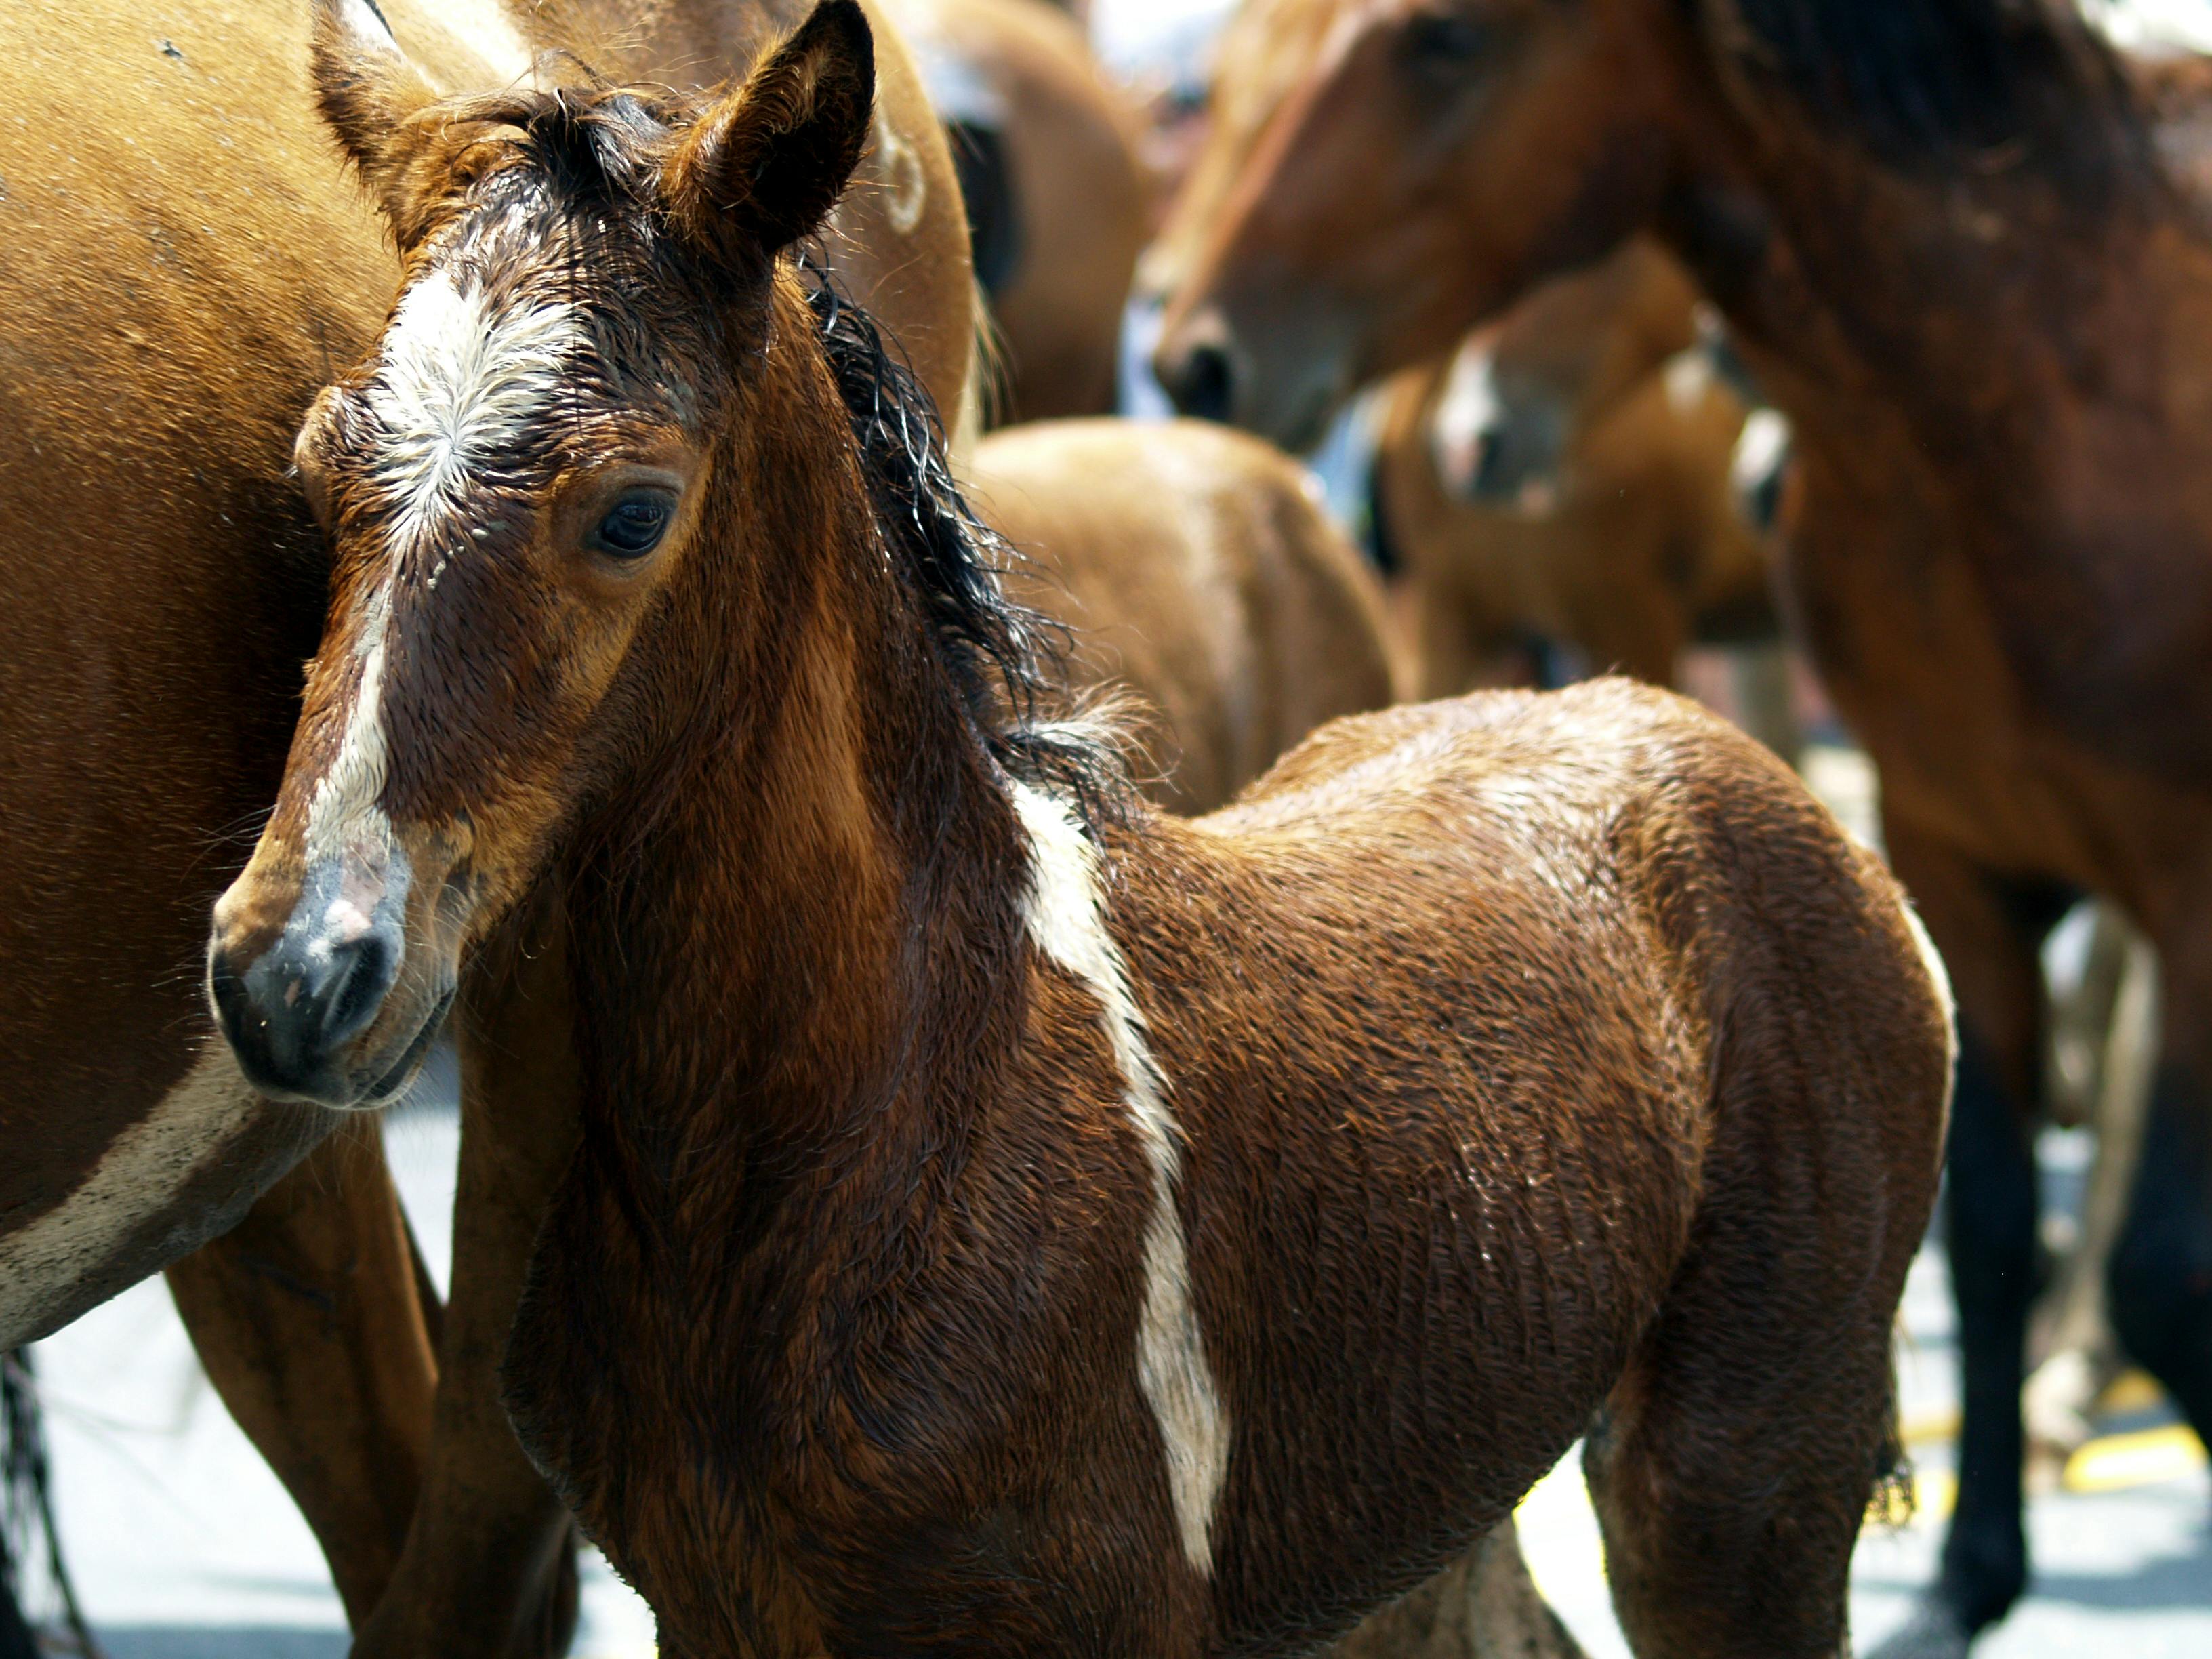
(311, 1001)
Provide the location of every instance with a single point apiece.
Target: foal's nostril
(1201, 381)
(360, 974)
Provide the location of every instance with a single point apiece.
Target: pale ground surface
(186, 1548)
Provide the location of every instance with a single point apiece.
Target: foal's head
(531, 488)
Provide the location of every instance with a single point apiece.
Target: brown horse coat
(1638, 545)
(1076, 198)
(1964, 248)
(1006, 1228)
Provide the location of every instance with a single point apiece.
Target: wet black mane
(1949, 83)
(1006, 658)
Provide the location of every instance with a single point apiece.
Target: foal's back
(1576, 1056)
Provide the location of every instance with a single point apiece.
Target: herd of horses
(919, 1189)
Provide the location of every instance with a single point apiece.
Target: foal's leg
(488, 1569)
(1990, 932)
(1733, 1467)
(307, 1319)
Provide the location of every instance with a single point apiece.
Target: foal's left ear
(365, 86)
(764, 167)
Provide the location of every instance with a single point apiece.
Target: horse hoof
(1933, 1633)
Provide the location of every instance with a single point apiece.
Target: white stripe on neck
(1066, 922)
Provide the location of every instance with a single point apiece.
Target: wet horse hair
(1007, 657)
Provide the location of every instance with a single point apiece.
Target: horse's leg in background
(2159, 1286)
(1484, 1606)
(490, 1566)
(1990, 933)
(309, 1318)
(2073, 1327)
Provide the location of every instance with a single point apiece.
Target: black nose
(289, 1014)
(1199, 380)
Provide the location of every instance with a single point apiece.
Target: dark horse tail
(26, 1514)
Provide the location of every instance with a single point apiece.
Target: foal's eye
(1445, 40)
(635, 525)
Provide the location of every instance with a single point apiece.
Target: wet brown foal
(1962, 244)
(1009, 1220)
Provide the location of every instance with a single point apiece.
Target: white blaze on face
(1469, 409)
(458, 382)
(1066, 922)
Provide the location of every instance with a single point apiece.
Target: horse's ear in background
(766, 162)
(365, 87)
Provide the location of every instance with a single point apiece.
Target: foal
(1009, 1220)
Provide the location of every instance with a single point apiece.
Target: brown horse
(1010, 1220)
(186, 264)
(1950, 242)
(1196, 566)
(1058, 199)
(1594, 509)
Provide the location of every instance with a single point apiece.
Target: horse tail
(26, 1514)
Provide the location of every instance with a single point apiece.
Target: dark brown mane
(1951, 85)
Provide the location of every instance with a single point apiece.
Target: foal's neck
(801, 963)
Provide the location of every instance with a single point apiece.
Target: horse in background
(1059, 201)
(1569, 480)
(1962, 247)
(164, 325)
(1560, 488)
(1196, 566)
(1010, 1220)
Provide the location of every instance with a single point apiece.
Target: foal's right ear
(764, 167)
(365, 87)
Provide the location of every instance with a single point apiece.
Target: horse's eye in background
(635, 525)
(1445, 39)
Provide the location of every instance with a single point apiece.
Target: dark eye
(1445, 39)
(635, 525)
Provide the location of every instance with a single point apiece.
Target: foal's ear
(365, 87)
(766, 163)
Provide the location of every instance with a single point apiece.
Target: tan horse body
(1048, 148)
(1196, 566)
(1963, 248)
(1003, 1226)
(186, 264)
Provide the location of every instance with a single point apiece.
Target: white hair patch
(1066, 922)
(458, 382)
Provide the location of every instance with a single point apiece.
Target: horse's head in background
(515, 486)
(1426, 161)
(1423, 163)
